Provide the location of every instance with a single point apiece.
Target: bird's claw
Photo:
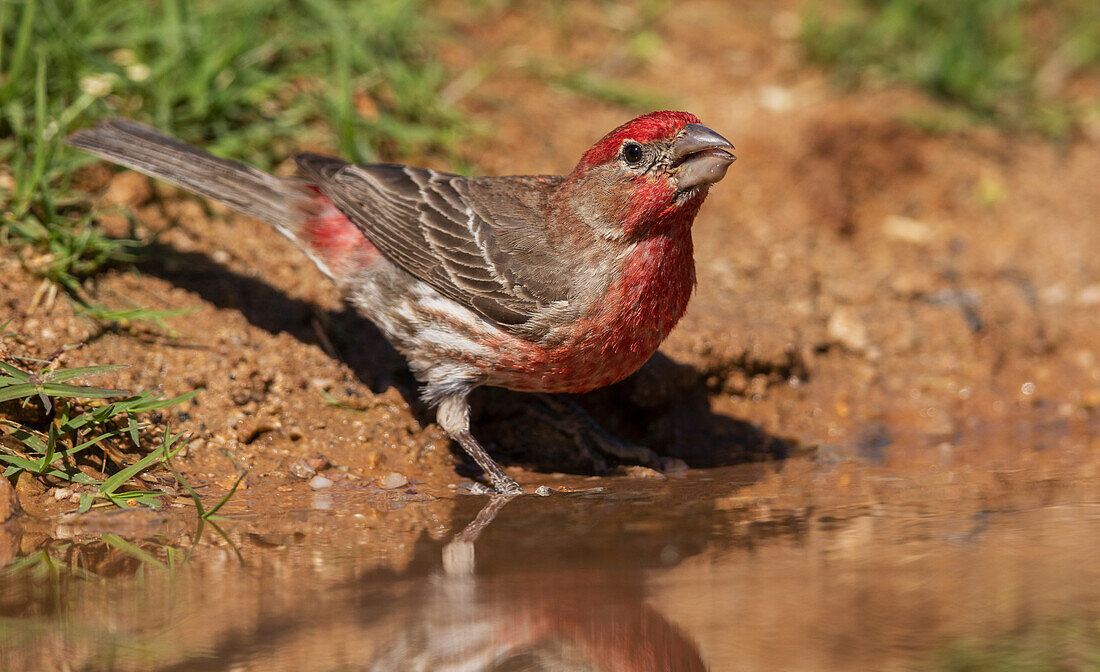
(504, 488)
(476, 488)
(507, 489)
(507, 486)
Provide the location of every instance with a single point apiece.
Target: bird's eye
(632, 152)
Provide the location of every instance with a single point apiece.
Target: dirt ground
(913, 306)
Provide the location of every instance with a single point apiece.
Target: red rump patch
(648, 127)
(333, 237)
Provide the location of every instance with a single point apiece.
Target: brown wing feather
(475, 240)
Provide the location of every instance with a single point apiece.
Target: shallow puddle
(683, 574)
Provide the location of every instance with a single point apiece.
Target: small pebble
(393, 480)
(319, 462)
(319, 482)
(303, 470)
(846, 327)
(542, 491)
(638, 471)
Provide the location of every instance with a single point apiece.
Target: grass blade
(156, 404)
(21, 48)
(27, 437)
(18, 374)
(163, 453)
(80, 391)
(132, 429)
(118, 479)
(64, 375)
(227, 497)
(190, 491)
(17, 391)
(51, 449)
(89, 443)
(22, 464)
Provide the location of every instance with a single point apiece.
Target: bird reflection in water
(545, 622)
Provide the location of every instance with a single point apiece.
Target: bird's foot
(506, 489)
(476, 488)
(502, 483)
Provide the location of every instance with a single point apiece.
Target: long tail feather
(147, 150)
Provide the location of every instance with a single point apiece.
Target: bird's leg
(585, 431)
(454, 417)
(501, 481)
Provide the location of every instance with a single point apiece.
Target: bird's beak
(700, 156)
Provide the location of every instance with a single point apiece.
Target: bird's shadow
(665, 406)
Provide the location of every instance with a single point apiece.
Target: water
(684, 574)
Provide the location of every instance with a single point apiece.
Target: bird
(537, 283)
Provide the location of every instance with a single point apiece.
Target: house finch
(538, 283)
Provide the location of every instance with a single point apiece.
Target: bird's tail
(296, 210)
(147, 150)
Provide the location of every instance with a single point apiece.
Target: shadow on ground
(665, 406)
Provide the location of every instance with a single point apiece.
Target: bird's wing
(475, 240)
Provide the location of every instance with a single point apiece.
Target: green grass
(253, 80)
(60, 439)
(988, 57)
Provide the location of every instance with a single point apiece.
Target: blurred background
(887, 384)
